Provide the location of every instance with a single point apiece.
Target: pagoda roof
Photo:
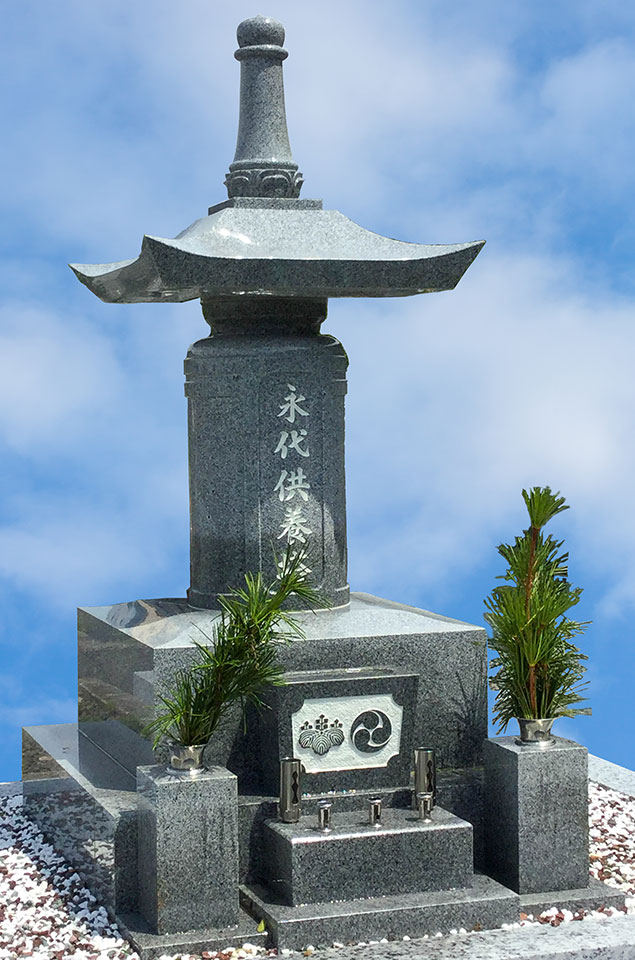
(277, 247)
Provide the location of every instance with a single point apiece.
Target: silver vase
(535, 733)
(186, 760)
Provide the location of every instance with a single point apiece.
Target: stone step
(303, 864)
(483, 905)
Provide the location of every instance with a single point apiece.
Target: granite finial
(263, 165)
(260, 30)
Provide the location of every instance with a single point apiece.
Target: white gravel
(46, 912)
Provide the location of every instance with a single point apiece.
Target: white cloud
(589, 127)
(57, 377)
(513, 379)
(44, 710)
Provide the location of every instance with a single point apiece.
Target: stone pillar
(187, 849)
(266, 445)
(536, 815)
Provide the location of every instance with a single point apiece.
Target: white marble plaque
(347, 733)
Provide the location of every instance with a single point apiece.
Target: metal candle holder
(290, 807)
(425, 773)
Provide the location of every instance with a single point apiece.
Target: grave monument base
(86, 805)
(129, 653)
(483, 905)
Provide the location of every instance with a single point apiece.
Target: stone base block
(596, 895)
(536, 815)
(483, 905)
(99, 838)
(187, 849)
(88, 808)
(151, 946)
(130, 652)
(306, 865)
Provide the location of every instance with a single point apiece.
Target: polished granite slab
(152, 946)
(536, 814)
(129, 653)
(597, 894)
(187, 849)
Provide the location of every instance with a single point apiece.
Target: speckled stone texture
(300, 689)
(461, 792)
(483, 905)
(266, 448)
(277, 248)
(303, 864)
(187, 849)
(612, 775)
(152, 946)
(129, 649)
(596, 895)
(308, 252)
(613, 940)
(536, 815)
(85, 805)
(262, 128)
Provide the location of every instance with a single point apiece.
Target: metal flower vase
(535, 732)
(187, 760)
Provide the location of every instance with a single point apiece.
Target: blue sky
(432, 122)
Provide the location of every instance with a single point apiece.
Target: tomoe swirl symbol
(371, 731)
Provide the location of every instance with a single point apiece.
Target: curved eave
(164, 272)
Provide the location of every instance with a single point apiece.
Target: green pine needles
(540, 670)
(240, 657)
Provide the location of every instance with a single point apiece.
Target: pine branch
(239, 659)
(539, 669)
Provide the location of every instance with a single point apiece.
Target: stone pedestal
(187, 849)
(129, 654)
(536, 815)
(354, 859)
(266, 446)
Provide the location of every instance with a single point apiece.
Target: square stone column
(187, 849)
(536, 815)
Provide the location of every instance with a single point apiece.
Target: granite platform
(151, 946)
(114, 800)
(612, 939)
(129, 653)
(483, 904)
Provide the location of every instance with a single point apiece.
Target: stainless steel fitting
(425, 803)
(325, 808)
(374, 811)
(290, 806)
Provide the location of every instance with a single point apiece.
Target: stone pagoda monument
(195, 863)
